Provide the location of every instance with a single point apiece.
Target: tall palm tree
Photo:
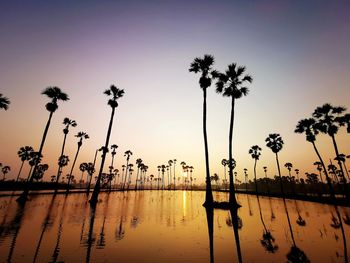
(255, 152)
(289, 167)
(90, 170)
(24, 154)
(139, 164)
(4, 102)
(174, 161)
(113, 153)
(127, 154)
(5, 169)
(307, 126)
(224, 163)
(170, 163)
(67, 122)
(231, 84)
(204, 67)
(81, 135)
(275, 143)
(55, 94)
(329, 118)
(116, 94)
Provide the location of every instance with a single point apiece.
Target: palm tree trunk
(20, 170)
(23, 197)
(256, 183)
(289, 224)
(93, 200)
(71, 170)
(232, 197)
(208, 190)
(59, 171)
(279, 173)
(234, 219)
(329, 181)
(347, 194)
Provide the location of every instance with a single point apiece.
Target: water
(166, 226)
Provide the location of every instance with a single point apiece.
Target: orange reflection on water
(165, 226)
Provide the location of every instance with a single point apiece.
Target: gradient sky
(296, 51)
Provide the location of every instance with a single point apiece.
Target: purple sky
(297, 52)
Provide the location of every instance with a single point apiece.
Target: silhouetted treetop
(4, 102)
(274, 142)
(115, 93)
(203, 65)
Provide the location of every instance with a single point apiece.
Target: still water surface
(169, 226)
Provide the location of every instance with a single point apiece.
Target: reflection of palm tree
(204, 66)
(91, 238)
(4, 102)
(230, 84)
(55, 94)
(81, 136)
(116, 94)
(210, 221)
(254, 151)
(24, 154)
(267, 240)
(236, 222)
(67, 122)
(275, 143)
(17, 224)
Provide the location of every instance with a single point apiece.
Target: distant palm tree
(127, 154)
(81, 135)
(341, 157)
(116, 94)
(255, 152)
(5, 171)
(139, 164)
(267, 183)
(275, 143)
(329, 118)
(231, 84)
(24, 154)
(55, 94)
(174, 174)
(170, 163)
(246, 178)
(67, 122)
(90, 170)
(113, 153)
(307, 126)
(204, 67)
(4, 102)
(82, 167)
(289, 167)
(224, 163)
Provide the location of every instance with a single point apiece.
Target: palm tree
(267, 183)
(342, 157)
(139, 164)
(4, 102)
(90, 168)
(174, 161)
(127, 154)
(275, 143)
(289, 167)
(116, 94)
(55, 94)
(254, 151)
(170, 163)
(328, 121)
(245, 179)
(67, 122)
(231, 84)
(81, 135)
(113, 153)
(82, 167)
(24, 154)
(5, 171)
(204, 67)
(307, 126)
(224, 163)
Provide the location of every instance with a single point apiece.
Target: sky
(296, 51)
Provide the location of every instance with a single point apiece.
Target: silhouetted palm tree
(204, 67)
(224, 163)
(307, 126)
(127, 154)
(116, 94)
(5, 169)
(55, 94)
(275, 143)
(24, 154)
(82, 167)
(67, 122)
(4, 102)
(174, 178)
(170, 163)
(328, 121)
(255, 152)
(90, 170)
(267, 182)
(113, 153)
(231, 84)
(341, 157)
(139, 164)
(81, 135)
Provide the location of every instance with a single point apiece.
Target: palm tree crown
(328, 118)
(68, 122)
(274, 142)
(307, 126)
(4, 102)
(25, 153)
(254, 151)
(205, 67)
(55, 94)
(230, 83)
(115, 93)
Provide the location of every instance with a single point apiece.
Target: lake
(170, 226)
